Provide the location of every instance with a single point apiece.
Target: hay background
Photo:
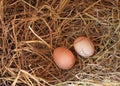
(31, 29)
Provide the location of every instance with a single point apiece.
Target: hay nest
(31, 29)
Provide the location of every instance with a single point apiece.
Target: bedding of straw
(31, 29)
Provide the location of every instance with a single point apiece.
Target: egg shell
(84, 47)
(64, 58)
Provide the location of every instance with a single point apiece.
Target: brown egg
(64, 58)
(84, 47)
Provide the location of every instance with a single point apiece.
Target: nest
(31, 29)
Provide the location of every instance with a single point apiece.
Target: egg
(64, 58)
(84, 46)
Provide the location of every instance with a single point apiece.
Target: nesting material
(26, 54)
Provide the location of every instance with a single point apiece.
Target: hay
(31, 29)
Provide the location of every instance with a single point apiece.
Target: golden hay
(31, 29)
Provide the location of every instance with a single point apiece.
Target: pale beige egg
(64, 58)
(84, 46)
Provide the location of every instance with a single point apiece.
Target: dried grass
(31, 29)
